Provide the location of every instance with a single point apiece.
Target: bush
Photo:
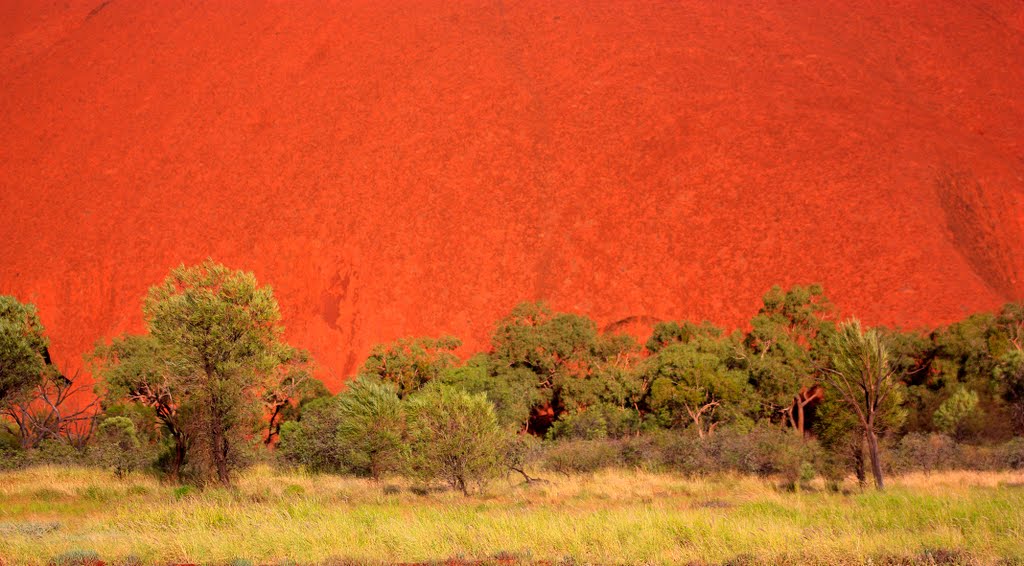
(681, 452)
(358, 432)
(764, 451)
(55, 451)
(311, 441)
(953, 414)
(925, 453)
(117, 447)
(1011, 454)
(453, 437)
(12, 459)
(370, 428)
(581, 456)
(596, 422)
(521, 451)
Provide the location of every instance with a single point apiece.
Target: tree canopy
(22, 348)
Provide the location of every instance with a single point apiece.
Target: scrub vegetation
(612, 516)
(801, 438)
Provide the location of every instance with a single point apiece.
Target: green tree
(838, 430)
(291, 385)
(411, 363)
(510, 391)
(560, 362)
(219, 333)
(782, 353)
(454, 436)
(1010, 375)
(671, 332)
(311, 441)
(698, 383)
(954, 412)
(1008, 372)
(862, 376)
(980, 353)
(22, 349)
(911, 354)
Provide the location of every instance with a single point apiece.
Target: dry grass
(610, 517)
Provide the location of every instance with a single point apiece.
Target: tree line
(212, 386)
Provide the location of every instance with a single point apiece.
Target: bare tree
(54, 410)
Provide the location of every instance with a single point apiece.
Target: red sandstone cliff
(409, 168)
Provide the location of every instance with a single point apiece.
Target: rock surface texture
(417, 168)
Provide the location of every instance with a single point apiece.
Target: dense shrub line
(211, 387)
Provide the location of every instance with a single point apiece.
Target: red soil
(412, 168)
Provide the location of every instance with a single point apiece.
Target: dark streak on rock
(92, 13)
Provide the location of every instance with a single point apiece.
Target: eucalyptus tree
(212, 350)
(783, 348)
(560, 362)
(411, 363)
(22, 349)
(219, 333)
(698, 383)
(132, 368)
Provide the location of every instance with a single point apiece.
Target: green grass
(610, 517)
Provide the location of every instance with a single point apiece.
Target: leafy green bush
(359, 431)
(54, 452)
(117, 448)
(596, 422)
(764, 451)
(311, 441)
(683, 452)
(953, 414)
(453, 437)
(370, 428)
(12, 459)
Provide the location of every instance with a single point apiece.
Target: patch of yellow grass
(617, 516)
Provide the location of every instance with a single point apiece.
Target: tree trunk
(876, 465)
(274, 424)
(178, 459)
(858, 462)
(218, 448)
(220, 462)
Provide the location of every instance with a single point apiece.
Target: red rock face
(417, 168)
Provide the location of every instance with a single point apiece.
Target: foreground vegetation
(614, 516)
(174, 458)
(211, 386)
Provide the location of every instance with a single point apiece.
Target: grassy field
(611, 517)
